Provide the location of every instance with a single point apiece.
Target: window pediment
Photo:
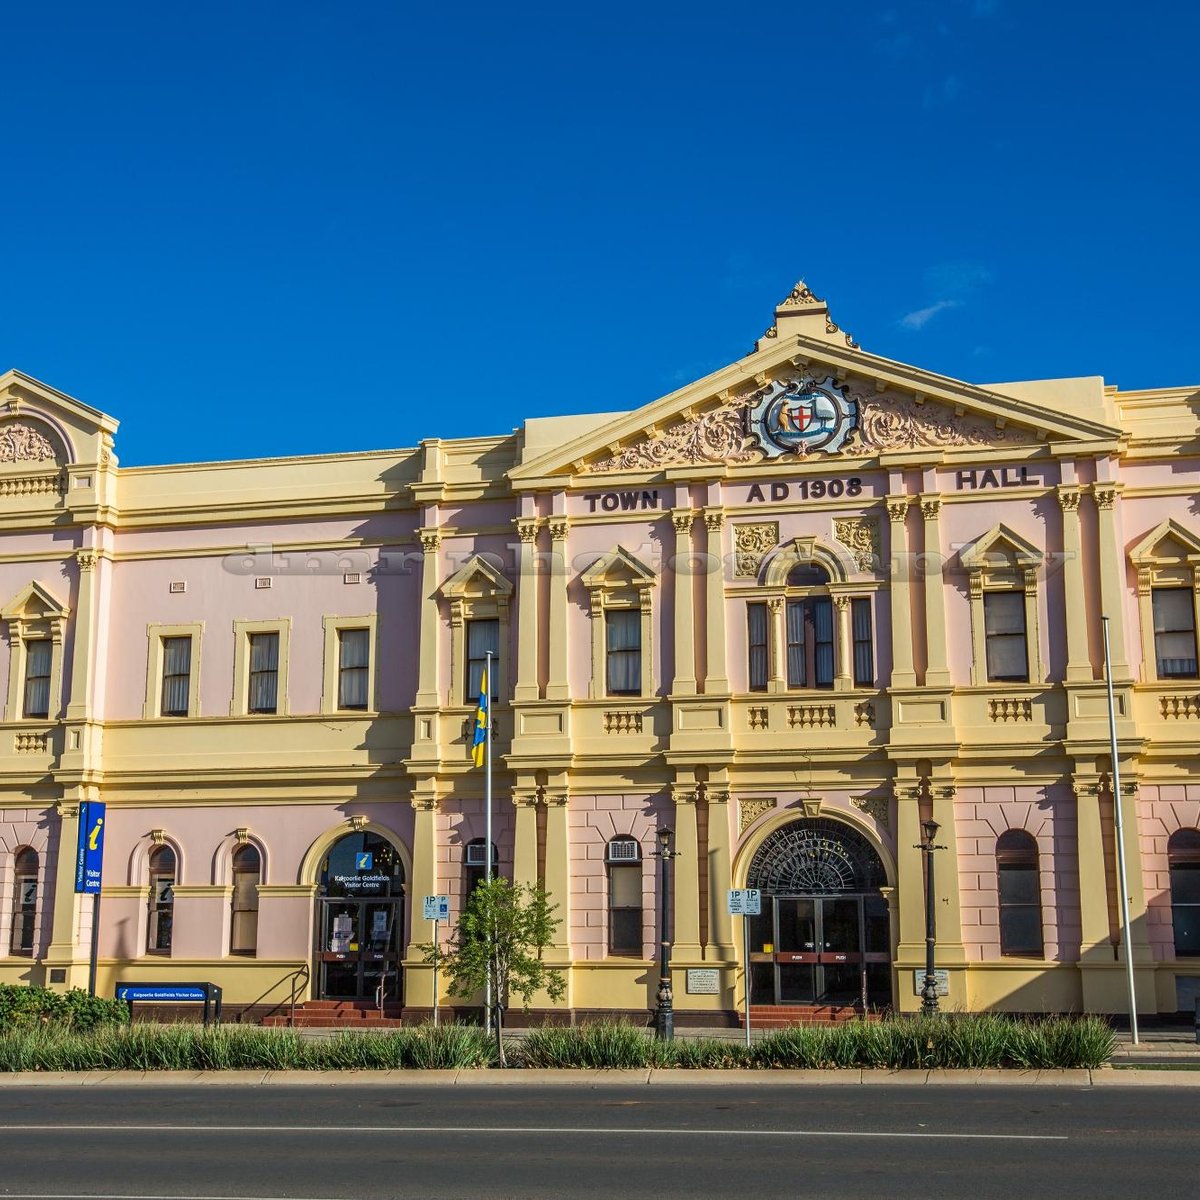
(1001, 550)
(618, 570)
(1167, 545)
(34, 602)
(477, 579)
(804, 552)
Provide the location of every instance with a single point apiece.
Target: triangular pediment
(1000, 549)
(478, 579)
(618, 568)
(1169, 542)
(895, 408)
(41, 427)
(34, 602)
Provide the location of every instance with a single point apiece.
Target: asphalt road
(354, 1143)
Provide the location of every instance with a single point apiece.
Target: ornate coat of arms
(801, 415)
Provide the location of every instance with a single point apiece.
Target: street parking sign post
(745, 903)
(437, 910)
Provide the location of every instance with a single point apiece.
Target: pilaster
(430, 622)
(937, 671)
(525, 838)
(558, 876)
(716, 679)
(684, 683)
(1112, 574)
(526, 684)
(558, 686)
(686, 869)
(64, 950)
(1079, 665)
(900, 600)
(720, 876)
(424, 871)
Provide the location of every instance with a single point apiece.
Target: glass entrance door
(821, 950)
(359, 949)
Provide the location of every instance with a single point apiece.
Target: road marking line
(565, 1129)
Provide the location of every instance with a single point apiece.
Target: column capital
(1068, 496)
(558, 528)
(682, 519)
(714, 518)
(897, 508)
(86, 559)
(1106, 494)
(527, 528)
(931, 504)
(430, 539)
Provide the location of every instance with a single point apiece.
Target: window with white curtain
(482, 636)
(1174, 632)
(1004, 637)
(263, 695)
(37, 678)
(176, 676)
(756, 637)
(810, 642)
(623, 634)
(864, 655)
(354, 663)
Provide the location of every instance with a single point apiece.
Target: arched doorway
(823, 936)
(360, 919)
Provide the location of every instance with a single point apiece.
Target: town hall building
(789, 612)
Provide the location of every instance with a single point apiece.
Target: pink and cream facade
(789, 612)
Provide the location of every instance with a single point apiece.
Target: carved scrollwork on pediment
(20, 443)
(897, 423)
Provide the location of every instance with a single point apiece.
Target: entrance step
(333, 1014)
(781, 1016)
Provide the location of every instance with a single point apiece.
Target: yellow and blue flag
(482, 721)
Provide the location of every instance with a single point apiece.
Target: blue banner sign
(89, 858)
(165, 994)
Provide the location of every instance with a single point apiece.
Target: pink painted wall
(981, 816)
(1160, 812)
(593, 822)
(33, 828)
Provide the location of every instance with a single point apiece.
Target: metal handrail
(297, 979)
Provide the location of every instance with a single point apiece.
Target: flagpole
(487, 823)
(1115, 777)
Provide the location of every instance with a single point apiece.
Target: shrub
(22, 1006)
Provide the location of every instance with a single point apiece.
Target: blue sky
(268, 228)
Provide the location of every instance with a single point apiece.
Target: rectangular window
(1020, 910)
(625, 910)
(623, 630)
(263, 696)
(1004, 637)
(756, 618)
(354, 663)
(810, 642)
(162, 914)
(1174, 632)
(864, 655)
(177, 673)
(482, 636)
(37, 678)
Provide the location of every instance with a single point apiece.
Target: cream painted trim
(618, 580)
(34, 614)
(1155, 570)
(155, 633)
(477, 592)
(329, 685)
(241, 665)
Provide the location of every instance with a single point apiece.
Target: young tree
(507, 926)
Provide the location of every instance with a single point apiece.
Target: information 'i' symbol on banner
(94, 836)
(364, 861)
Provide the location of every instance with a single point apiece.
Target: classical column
(64, 950)
(844, 680)
(558, 877)
(949, 911)
(720, 876)
(429, 636)
(716, 680)
(910, 884)
(686, 869)
(526, 683)
(525, 838)
(558, 686)
(424, 880)
(937, 673)
(900, 600)
(84, 654)
(685, 631)
(777, 645)
(1095, 934)
(1075, 616)
(1112, 575)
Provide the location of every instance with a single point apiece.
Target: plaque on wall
(703, 981)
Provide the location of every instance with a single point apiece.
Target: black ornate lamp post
(664, 1017)
(929, 991)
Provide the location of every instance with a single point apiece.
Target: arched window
(810, 633)
(1183, 857)
(162, 901)
(475, 865)
(1020, 895)
(247, 874)
(624, 859)
(25, 889)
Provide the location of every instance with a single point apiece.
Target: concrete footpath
(517, 1077)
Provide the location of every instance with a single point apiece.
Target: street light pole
(929, 992)
(664, 1017)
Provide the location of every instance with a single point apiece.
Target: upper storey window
(479, 599)
(1168, 574)
(36, 624)
(176, 676)
(620, 590)
(1174, 632)
(1005, 636)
